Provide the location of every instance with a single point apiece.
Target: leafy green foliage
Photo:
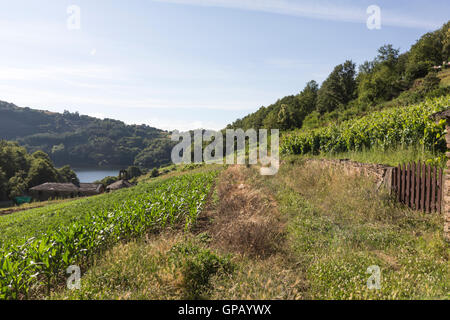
(154, 173)
(431, 82)
(43, 259)
(286, 113)
(20, 171)
(338, 89)
(385, 129)
(107, 180)
(133, 172)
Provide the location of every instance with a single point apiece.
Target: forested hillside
(390, 79)
(80, 140)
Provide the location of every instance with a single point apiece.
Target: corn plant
(42, 260)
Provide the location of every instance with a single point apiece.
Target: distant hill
(79, 140)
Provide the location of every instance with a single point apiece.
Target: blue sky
(185, 64)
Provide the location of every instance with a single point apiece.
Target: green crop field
(38, 245)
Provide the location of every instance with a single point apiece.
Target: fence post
(413, 185)
(433, 190)
(408, 184)
(418, 186)
(422, 184)
(399, 183)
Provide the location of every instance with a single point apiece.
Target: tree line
(391, 78)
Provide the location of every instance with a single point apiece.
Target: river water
(95, 174)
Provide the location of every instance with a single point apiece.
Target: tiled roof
(68, 187)
(119, 185)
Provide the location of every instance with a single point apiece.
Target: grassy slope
(338, 227)
(333, 228)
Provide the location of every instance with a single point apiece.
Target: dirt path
(243, 219)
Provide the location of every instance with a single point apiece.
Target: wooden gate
(419, 186)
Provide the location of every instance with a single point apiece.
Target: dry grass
(273, 278)
(246, 220)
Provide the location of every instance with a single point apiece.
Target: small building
(52, 190)
(91, 189)
(121, 184)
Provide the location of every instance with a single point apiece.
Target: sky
(188, 64)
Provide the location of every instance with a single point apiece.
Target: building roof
(92, 187)
(119, 185)
(51, 186)
(68, 187)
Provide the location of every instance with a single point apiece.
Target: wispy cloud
(316, 10)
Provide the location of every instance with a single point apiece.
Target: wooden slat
(399, 183)
(422, 185)
(394, 181)
(413, 185)
(428, 189)
(408, 184)
(433, 190)
(418, 186)
(439, 192)
(403, 183)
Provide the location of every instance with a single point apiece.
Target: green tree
(3, 185)
(381, 79)
(134, 171)
(41, 171)
(41, 155)
(155, 173)
(18, 185)
(285, 117)
(66, 174)
(107, 181)
(338, 89)
(425, 53)
(388, 55)
(446, 42)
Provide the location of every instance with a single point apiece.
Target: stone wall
(381, 174)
